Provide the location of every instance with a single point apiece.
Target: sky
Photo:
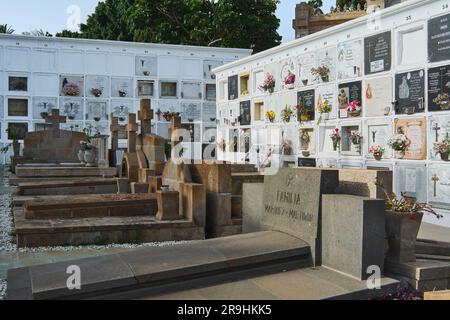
(55, 15)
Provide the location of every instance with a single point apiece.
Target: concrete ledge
(156, 265)
(33, 172)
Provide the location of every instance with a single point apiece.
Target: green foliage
(68, 34)
(350, 3)
(316, 3)
(4, 28)
(221, 23)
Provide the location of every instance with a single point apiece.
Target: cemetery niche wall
(364, 82)
(88, 80)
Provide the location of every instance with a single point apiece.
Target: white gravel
(2, 289)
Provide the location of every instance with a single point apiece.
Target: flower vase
(325, 78)
(290, 86)
(378, 156)
(16, 148)
(90, 157)
(354, 114)
(444, 156)
(271, 90)
(335, 146)
(325, 116)
(81, 156)
(304, 118)
(399, 154)
(445, 106)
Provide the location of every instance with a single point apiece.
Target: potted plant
(96, 92)
(269, 84)
(13, 134)
(44, 115)
(71, 89)
(289, 80)
(443, 148)
(399, 143)
(270, 115)
(336, 138)
(377, 152)
(303, 113)
(322, 72)
(355, 137)
(324, 110)
(354, 109)
(305, 82)
(403, 219)
(287, 147)
(443, 101)
(122, 93)
(286, 114)
(168, 149)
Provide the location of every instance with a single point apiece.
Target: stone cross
(175, 125)
(145, 116)
(436, 128)
(435, 180)
(114, 128)
(55, 119)
(132, 128)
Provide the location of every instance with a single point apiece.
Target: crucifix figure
(435, 180)
(114, 128)
(55, 119)
(132, 128)
(436, 128)
(374, 136)
(145, 116)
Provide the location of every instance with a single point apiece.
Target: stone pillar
(168, 206)
(175, 125)
(132, 128)
(145, 116)
(101, 144)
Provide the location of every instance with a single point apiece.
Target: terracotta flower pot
(401, 233)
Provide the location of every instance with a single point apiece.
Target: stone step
(238, 179)
(90, 206)
(429, 247)
(57, 171)
(158, 266)
(73, 186)
(101, 231)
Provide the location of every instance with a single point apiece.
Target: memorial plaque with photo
(97, 86)
(439, 186)
(326, 94)
(191, 90)
(438, 130)
(306, 63)
(97, 111)
(439, 88)
(168, 105)
(326, 58)
(411, 180)
(233, 91)
(307, 142)
(378, 97)
(122, 88)
(17, 130)
(245, 113)
(438, 38)
(121, 109)
(145, 88)
(306, 101)
(42, 107)
(349, 60)
(72, 108)
(410, 92)
(377, 135)
(348, 92)
(17, 107)
(146, 66)
(191, 111)
(169, 89)
(378, 53)
(415, 129)
(18, 84)
(71, 86)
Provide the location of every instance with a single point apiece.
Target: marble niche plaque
(439, 186)
(410, 179)
(377, 133)
(378, 53)
(121, 109)
(233, 90)
(438, 38)
(307, 142)
(415, 130)
(347, 147)
(209, 112)
(95, 127)
(146, 66)
(289, 66)
(326, 57)
(100, 83)
(438, 130)
(275, 70)
(122, 88)
(245, 141)
(306, 63)
(306, 99)
(72, 126)
(378, 97)
(43, 107)
(72, 108)
(325, 142)
(348, 92)
(327, 93)
(410, 92)
(18, 107)
(210, 92)
(75, 81)
(191, 90)
(439, 88)
(191, 111)
(145, 88)
(18, 84)
(97, 110)
(349, 60)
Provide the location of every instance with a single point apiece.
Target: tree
(316, 3)
(221, 23)
(4, 28)
(68, 34)
(350, 3)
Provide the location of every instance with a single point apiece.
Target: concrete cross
(55, 119)
(114, 128)
(132, 128)
(175, 125)
(435, 180)
(145, 116)
(436, 128)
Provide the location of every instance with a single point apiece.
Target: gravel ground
(7, 244)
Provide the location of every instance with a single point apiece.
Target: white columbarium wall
(400, 54)
(141, 70)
